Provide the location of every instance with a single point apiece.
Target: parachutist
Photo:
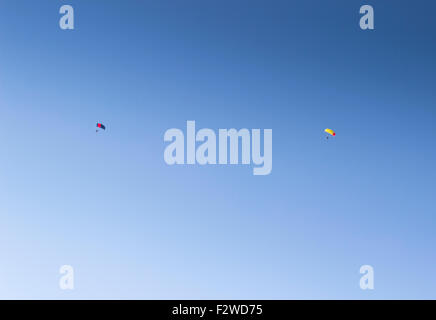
(100, 126)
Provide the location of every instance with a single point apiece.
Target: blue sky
(135, 228)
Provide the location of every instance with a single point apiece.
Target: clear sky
(134, 227)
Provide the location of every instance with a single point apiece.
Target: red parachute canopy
(101, 126)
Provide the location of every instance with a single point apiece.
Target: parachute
(330, 131)
(100, 126)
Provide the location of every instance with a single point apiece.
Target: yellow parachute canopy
(330, 131)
